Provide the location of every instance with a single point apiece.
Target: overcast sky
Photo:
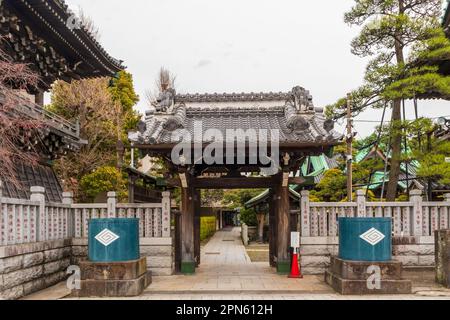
(238, 46)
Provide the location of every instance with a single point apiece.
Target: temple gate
(234, 141)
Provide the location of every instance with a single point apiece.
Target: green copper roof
(319, 165)
(263, 196)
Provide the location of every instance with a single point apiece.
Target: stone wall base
(159, 253)
(351, 278)
(118, 279)
(412, 252)
(27, 268)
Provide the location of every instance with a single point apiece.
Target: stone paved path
(226, 268)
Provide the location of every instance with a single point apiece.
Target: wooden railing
(34, 220)
(30, 109)
(413, 218)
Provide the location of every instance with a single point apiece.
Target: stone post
(416, 198)
(67, 198)
(361, 202)
(305, 214)
(112, 203)
(38, 195)
(245, 234)
(166, 214)
(446, 197)
(442, 251)
(261, 220)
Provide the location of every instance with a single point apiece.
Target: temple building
(234, 141)
(46, 35)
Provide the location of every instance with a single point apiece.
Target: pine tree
(391, 29)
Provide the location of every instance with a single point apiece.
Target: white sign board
(447, 160)
(295, 239)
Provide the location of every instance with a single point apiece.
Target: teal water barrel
(113, 240)
(365, 239)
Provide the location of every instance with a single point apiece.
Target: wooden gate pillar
(283, 226)
(188, 262)
(272, 229)
(197, 211)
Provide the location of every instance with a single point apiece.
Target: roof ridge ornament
(177, 121)
(165, 101)
(294, 120)
(302, 99)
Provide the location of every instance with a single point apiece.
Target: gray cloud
(203, 63)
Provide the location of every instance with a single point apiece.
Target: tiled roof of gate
(158, 129)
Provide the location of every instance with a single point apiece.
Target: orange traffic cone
(295, 270)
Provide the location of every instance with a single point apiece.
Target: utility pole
(349, 149)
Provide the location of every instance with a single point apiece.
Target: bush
(104, 179)
(207, 227)
(248, 216)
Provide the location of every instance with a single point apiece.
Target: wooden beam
(234, 183)
(183, 180)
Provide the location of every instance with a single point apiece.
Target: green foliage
(390, 75)
(248, 216)
(432, 163)
(104, 110)
(234, 199)
(207, 227)
(122, 91)
(422, 74)
(390, 29)
(104, 179)
(212, 198)
(333, 186)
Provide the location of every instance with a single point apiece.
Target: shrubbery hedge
(207, 227)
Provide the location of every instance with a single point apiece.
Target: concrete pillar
(112, 203)
(442, 243)
(244, 234)
(361, 202)
(166, 214)
(415, 197)
(261, 220)
(305, 214)
(447, 197)
(38, 195)
(67, 198)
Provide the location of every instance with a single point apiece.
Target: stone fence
(414, 218)
(40, 240)
(413, 227)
